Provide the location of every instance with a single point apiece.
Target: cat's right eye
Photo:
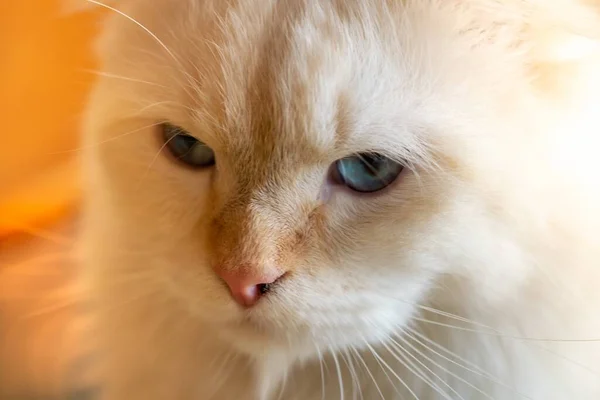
(367, 172)
(187, 148)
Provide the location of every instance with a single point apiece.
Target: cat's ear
(556, 37)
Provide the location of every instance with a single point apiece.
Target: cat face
(279, 93)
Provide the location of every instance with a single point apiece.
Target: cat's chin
(257, 337)
(251, 338)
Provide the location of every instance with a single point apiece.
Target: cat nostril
(264, 288)
(245, 288)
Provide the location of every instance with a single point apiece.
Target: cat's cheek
(325, 193)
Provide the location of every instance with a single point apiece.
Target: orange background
(45, 63)
(44, 78)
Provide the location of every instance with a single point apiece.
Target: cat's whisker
(355, 379)
(385, 372)
(222, 360)
(438, 312)
(193, 82)
(567, 293)
(356, 359)
(477, 370)
(320, 355)
(368, 370)
(488, 330)
(339, 373)
(452, 316)
(493, 332)
(371, 168)
(567, 359)
(158, 153)
(412, 371)
(358, 380)
(474, 369)
(446, 370)
(109, 140)
(417, 371)
(121, 77)
(411, 367)
(391, 370)
(143, 27)
(147, 107)
(466, 363)
(499, 334)
(228, 360)
(283, 385)
(221, 374)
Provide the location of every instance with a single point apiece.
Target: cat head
(310, 174)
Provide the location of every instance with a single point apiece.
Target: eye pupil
(187, 148)
(367, 172)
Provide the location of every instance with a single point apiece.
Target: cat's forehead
(281, 80)
(298, 77)
(310, 79)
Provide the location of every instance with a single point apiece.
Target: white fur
(482, 263)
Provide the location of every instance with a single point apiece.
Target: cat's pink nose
(247, 285)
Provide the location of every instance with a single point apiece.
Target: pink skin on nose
(244, 285)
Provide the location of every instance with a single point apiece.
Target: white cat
(346, 199)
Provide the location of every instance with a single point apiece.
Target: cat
(344, 199)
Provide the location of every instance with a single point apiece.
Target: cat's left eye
(187, 148)
(367, 172)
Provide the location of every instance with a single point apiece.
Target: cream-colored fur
(474, 277)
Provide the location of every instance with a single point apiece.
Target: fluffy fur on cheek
(473, 276)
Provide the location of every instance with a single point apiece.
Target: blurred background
(46, 70)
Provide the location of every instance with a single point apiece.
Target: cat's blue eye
(367, 172)
(187, 148)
